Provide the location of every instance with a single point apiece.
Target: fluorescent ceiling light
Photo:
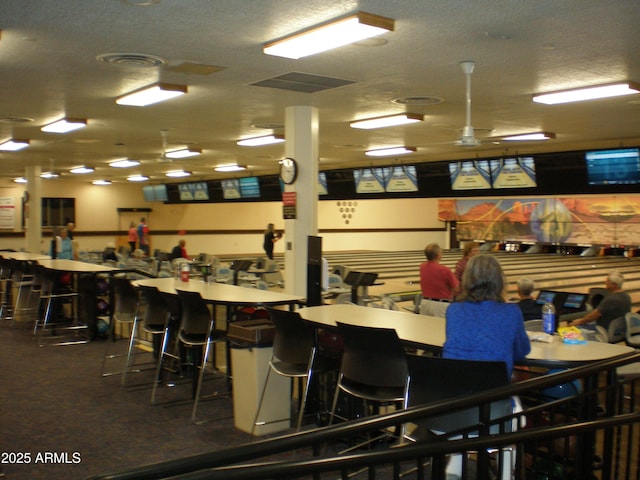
(257, 141)
(82, 169)
(65, 125)
(230, 168)
(49, 175)
(14, 145)
(20, 180)
(101, 182)
(177, 174)
(124, 163)
(137, 178)
(388, 121)
(588, 93)
(530, 137)
(150, 95)
(334, 34)
(184, 153)
(383, 152)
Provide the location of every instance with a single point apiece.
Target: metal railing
(593, 430)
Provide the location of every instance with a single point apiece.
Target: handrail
(264, 447)
(283, 469)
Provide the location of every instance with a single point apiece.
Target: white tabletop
(221, 293)
(75, 266)
(430, 331)
(25, 256)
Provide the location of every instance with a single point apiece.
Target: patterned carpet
(63, 420)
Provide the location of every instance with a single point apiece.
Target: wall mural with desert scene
(594, 220)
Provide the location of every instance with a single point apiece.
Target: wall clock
(288, 170)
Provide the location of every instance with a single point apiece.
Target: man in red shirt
(437, 283)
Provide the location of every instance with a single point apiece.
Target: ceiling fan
(468, 138)
(163, 157)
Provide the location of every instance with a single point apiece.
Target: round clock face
(288, 170)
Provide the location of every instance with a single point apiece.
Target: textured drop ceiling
(49, 69)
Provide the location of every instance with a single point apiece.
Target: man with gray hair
(615, 304)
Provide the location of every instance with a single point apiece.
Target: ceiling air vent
(144, 60)
(303, 82)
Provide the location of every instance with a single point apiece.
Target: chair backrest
(156, 310)
(343, 298)
(617, 330)
(262, 285)
(295, 338)
(417, 301)
(126, 298)
(373, 356)
(633, 327)
(335, 281)
(196, 317)
(533, 325)
(433, 379)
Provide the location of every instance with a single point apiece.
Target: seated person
(480, 325)
(109, 253)
(179, 251)
(437, 283)
(616, 304)
(530, 309)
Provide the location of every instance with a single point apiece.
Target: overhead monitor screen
(369, 180)
(190, 192)
(155, 193)
(230, 189)
(249, 187)
(470, 175)
(517, 172)
(613, 167)
(322, 183)
(401, 178)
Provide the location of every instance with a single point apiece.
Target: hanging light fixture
(232, 167)
(387, 121)
(259, 141)
(82, 169)
(14, 145)
(184, 153)
(178, 174)
(153, 94)
(124, 163)
(137, 178)
(384, 152)
(65, 125)
(588, 93)
(334, 34)
(525, 137)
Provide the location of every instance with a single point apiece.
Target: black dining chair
(295, 355)
(373, 370)
(436, 379)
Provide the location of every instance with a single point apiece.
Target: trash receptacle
(251, 351)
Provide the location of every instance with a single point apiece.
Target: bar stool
(125, 310)
(53, 294)
(373, 370)
(153, 320)
(198, 333)
(295, 347)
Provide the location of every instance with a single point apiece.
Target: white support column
(33, 221)
(301, 131)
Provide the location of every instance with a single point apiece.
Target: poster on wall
(584, 220)
(7, 213)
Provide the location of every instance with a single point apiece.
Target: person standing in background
(179, 251)
(132, 238)
(469, 250)
(437, 283)
(143, 236)
(270, 237)
(70, 228)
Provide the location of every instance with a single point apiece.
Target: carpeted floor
(63, 420)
